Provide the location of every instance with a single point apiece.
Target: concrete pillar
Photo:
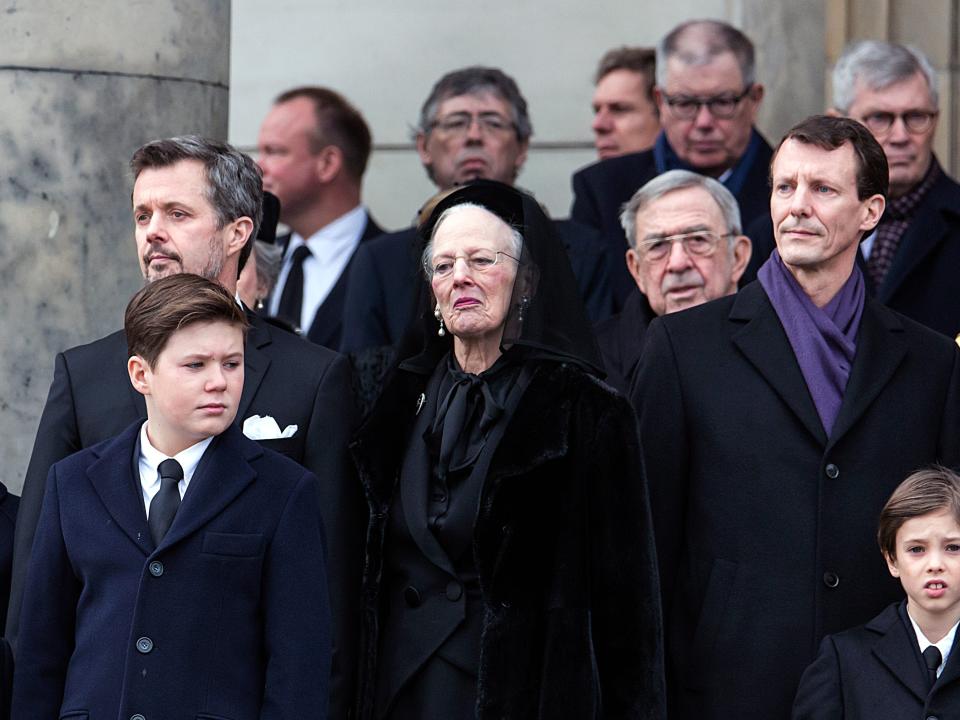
(82, 85)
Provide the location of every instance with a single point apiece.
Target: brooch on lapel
(420, 400)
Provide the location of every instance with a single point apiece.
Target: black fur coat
(563, 544)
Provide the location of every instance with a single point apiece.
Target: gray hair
(878, 65)
(234, 185)
(516, 238)
(477, 80)
(269, 259)
(707, 39)
(678, 180)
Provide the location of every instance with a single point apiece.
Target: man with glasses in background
(912, 260)
(473, 125)
(686, 248)
(708, 100)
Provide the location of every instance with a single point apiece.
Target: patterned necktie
(932, 657)
(167, 501)
(291, 299)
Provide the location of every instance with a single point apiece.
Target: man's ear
(329, 163)
(742, 250)
(874, 211)
(633, 266)
(238, 232)
(139, 372)
(833, 112)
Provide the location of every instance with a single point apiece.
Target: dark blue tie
(932, 657)
(291, 299)
(167, 501)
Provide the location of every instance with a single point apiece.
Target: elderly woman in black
(510, 569)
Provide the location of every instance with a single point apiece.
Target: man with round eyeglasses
(686, 248)
(708, 99)
(910, 261)
(473, 125)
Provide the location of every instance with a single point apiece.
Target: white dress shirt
(331, 248)
(946, 642)
(150, 459)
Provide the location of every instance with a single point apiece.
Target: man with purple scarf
(775, 423)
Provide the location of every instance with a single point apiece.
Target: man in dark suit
(686, 248)
(708, 99)
(912, 259)
(313, 149)
(473, 125)
(775, 423)
(196, 206)
(183, 534)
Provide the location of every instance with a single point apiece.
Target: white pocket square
(266, 428)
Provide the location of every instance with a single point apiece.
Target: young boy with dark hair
(178, 569)
(902, 663)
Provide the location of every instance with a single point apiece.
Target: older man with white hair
(686, 248)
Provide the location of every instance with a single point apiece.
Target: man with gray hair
(686, 248)
(911, 260)
(473, 125)
(708, 98)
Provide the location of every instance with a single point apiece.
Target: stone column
(83, 84)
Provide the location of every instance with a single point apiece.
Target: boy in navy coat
(178, 569)
(902, 663)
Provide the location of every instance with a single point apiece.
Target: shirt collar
(150, 457)
(944, 645)
(345, 229)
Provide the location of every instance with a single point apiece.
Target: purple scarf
(823, 339)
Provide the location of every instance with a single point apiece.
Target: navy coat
(227, 619)
(876, 671)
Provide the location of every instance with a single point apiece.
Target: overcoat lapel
(927, 230)
(415, 480)
(113, 481)
(895, 649)
(764, 343)
(223, 473)
(881, 347)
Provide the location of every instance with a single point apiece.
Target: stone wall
(83, 84)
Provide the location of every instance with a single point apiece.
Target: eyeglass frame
(642, 247)
(708, 102)
(481, 119)
(432, 271)
(930, 117)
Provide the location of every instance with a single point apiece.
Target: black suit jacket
(601, 189)
(621, 340)
(766, 528)
(381, 292)
(922, 281)
(327, 326)
(297, 383)
(876, 671)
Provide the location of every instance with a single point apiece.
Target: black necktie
(932, 657)
(291, 299)
(167, 501)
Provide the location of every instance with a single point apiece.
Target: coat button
(412, 596)
(156, 568)
(833, 472)
(831, 579)
(138, 716)
(144, 645)
(454, 591)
